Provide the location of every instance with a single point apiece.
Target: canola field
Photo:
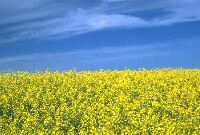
(128, 102)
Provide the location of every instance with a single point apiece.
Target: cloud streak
(134, 56)
(50, 20)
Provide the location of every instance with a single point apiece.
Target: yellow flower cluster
(103, 102)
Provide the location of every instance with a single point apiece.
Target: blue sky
(37, 35)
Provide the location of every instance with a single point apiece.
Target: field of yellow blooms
(163, 101)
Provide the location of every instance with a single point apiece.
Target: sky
(57, 35)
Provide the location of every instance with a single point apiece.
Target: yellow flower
(102, 102)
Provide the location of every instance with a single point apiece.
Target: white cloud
(31, 21)
(103, 21)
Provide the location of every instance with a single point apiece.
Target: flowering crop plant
(165, 101)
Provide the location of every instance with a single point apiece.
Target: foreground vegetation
(103, 102)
